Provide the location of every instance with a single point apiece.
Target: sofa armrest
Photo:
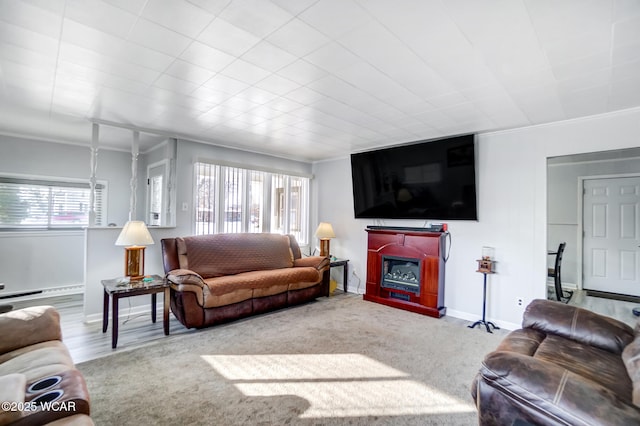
(578, 324)
(28, 326)
(318, 262)
(549, 393)
(182, 277)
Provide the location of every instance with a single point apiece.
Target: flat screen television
(423, 180)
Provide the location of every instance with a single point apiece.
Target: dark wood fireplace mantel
(416, 246)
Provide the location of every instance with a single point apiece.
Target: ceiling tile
(207, 57)
(211, 6)
(625, 93)
(557, 20)
(31, 17)
(133, 6)
(304, 96)
(302, 72)
(268, 56)
(211, 95)
(626, 53)
(143, 56)
(27, 39)
(101, 16)
(276, 84)
(154, 36)
(177, 15)
(226, 84)
(590, 101)
(226, 37)
(624, 9)
(189, 72)
(255, 95)
(626, 32)
(258, 17)
(298, 38)
(294, 7)
(332, 57)
(245, 72)
(178, 85)
(342, 91)
(322, 16)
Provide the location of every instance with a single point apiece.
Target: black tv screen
(423, 180)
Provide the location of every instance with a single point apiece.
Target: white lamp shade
(134, 233)
(325, 231)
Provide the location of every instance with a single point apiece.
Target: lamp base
(324, 247)
(134, 262)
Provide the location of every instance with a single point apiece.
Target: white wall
(105, 260)
(512, 211)
(45, 260)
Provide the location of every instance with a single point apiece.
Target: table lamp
(135, 237)
(325, 233)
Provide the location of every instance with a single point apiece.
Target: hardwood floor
(618, 309)
(86, 341)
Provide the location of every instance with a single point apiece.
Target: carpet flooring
(335, 361)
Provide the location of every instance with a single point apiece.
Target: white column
(171, 149)
(135, 148)
(93, 164)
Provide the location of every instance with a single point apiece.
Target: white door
(611, 257)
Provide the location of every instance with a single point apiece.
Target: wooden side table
(345, 271)
(118, 288)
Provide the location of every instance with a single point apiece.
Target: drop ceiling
(310, 79)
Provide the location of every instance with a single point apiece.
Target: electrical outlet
(519, 301)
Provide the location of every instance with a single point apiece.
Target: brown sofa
(35, 366)
(566, 366)
(222, 277)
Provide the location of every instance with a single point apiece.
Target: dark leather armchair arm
(546, 393)
(577, 324)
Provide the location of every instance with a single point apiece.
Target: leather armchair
(567, 365)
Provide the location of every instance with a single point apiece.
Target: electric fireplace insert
(401, 273)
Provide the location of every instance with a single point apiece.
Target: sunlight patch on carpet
(335, 385)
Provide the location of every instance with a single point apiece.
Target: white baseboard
(474, 317)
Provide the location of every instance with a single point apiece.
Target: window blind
(46, 204)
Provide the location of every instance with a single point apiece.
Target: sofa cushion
(236, 288)
(589, 362)
(228, 254)
(631, 358)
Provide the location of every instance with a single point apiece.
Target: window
(231, 199)
(45, 204)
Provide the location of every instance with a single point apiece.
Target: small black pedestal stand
(485, 267)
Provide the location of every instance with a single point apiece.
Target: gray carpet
(338, 360)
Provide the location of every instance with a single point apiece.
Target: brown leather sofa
(566, 366)
(222, 277)
(35, 368)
